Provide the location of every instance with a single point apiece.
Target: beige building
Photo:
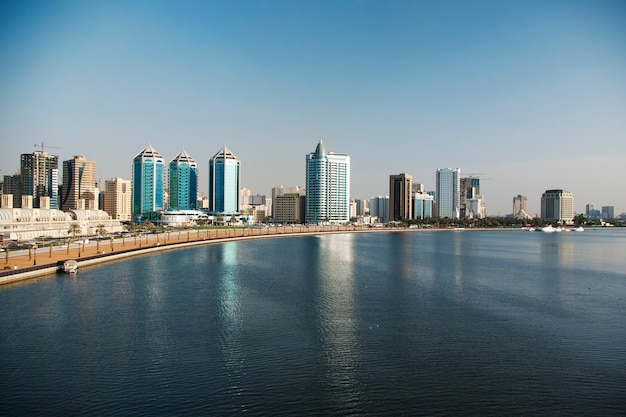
(557, 205)
(117, 198)
(79, 185)
(280, 191)
(289, 208)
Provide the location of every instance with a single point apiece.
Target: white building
(327, 186)
(447, 193)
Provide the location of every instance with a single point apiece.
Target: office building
(557, 205)
(400, 197)
(290, 208)
(183, 190)
(379, 208)
(78, 191)
(422, 206)
(447, 193)
(12, 185)
(39, 173)
(224, 182)
(327, 186)
(608, 212)
(280, 190)
(117, 199)
(148, 182)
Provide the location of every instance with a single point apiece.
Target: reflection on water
(337, 321)
(425, 323)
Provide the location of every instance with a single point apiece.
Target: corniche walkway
(47, 260)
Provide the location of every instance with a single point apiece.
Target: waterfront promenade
(44, 260)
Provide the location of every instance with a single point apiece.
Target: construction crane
(41, 145)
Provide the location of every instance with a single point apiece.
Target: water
(426, 323)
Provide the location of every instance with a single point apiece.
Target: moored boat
(70, 266)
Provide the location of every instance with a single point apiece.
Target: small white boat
(70, 266)
(579, 229)
(548, 229)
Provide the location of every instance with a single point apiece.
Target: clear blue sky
(529, 94)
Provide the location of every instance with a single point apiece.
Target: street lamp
(35, 254)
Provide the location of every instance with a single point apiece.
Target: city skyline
(530, 95)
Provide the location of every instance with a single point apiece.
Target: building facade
(39, 173)
(280, 190)
(78, 191)
(183, 191)
(224, 182)
(557, 205)
(148, 182)
(423, 205)
(400, 197)
(447, 193)
(117, 199)
(379, 208)
(327, 186)
(290, 208)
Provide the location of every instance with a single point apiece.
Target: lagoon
(432, 323)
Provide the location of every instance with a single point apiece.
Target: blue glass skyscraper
(148, 175)
(224, 182)
(327, 186)
(183, 182)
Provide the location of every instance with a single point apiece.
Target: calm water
(428, 323)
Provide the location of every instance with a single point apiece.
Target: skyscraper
(117, 198)
(327, 186)
(183, 182)
(148, 176)
(224, 182)
(447, 193)
(78, 191)
(400, 197)
(557, 205)
(40, 177)
(520, 206)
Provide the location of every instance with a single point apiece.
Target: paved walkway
(51, 255)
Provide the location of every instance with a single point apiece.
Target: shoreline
(23, 267)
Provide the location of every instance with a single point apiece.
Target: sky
(528, 95)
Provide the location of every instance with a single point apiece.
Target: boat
(579, 229)
(548, 229)
(70, 266)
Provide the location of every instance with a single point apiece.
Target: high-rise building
(148, 182)
(289, 208)
(470, 190)
(224, 182)
(447, 193)
(39, 173)
(557, 205)
(608, 212)
(183, 191)
(280, 190)
(520, 204)
(117, 198)
(379, 208)
(78, 191)
(12, 185)
(423, 205)
(400, 197)
(327, 186)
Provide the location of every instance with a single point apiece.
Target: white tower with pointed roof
(327, 186)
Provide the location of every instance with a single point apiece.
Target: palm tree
(100, 229)
(73, 230)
